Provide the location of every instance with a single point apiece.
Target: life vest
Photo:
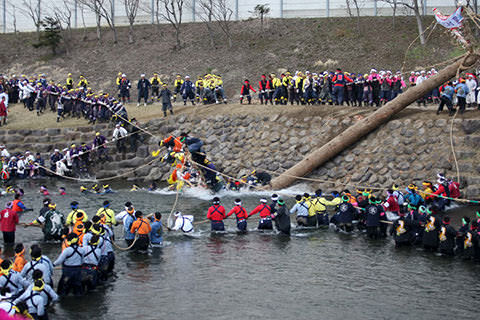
(467, 243)
(401, 228)
(442, 236)
(430, 226)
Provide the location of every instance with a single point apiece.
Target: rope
(127, 248)
(452, 146)
(173, 208)
(411, 43)
(102, 179)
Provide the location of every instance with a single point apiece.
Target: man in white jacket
(472, 85)
(119, 135)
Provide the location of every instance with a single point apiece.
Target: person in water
(184, 223)
(282, 217)
(216, 214)
(240, 214)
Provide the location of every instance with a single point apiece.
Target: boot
(171, 112)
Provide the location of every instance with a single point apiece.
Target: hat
(274, 197)
(238, 202)
(280, 202)
(263, 200)
(177, 214)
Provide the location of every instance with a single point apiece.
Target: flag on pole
(452, 21)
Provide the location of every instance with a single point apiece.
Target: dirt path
(21, 118)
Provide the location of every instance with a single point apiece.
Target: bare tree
(173, 14)
(102, 10)
(415, 6)
(356, 3)
(31, 9)
(206, 14)
(131, 9)
(84, 26)
(261, 11)
(63, 14)
(349, 10)
(12, 12)
(93, 5)
(223, 15)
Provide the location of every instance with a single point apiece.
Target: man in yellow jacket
(318, 208)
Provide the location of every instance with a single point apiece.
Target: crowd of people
(411, 217)
(73, 161)
(414, 216)
(77, 99)
(371, 89)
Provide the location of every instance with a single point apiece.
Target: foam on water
(206, 194)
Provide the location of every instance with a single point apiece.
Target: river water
(311, 275)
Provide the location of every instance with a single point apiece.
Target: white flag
(452, 21)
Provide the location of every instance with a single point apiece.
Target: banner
(452, 21)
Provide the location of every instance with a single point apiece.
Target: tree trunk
(419, 22)
(370, 123)
(99, 27)
(177, 38)
(131, 35)
(394, 13)
(115, 36)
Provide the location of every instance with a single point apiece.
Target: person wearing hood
(446, 237)
(282, 217)
(216, 214)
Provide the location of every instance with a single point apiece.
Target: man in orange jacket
(216, 214)
(142, 227)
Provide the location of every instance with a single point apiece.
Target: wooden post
(370, 123)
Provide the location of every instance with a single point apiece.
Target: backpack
(461, 91)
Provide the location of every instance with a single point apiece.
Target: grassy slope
(296, 44)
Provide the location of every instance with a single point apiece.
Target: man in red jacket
(8, 222)
(216, 214)
(241, 215)
(265, 215)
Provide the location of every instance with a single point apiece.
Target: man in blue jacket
(461, 89)
(446, 98)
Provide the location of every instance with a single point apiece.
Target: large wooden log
(370, 123)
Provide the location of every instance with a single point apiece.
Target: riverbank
(414, 146)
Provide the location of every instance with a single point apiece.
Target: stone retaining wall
(399, 152)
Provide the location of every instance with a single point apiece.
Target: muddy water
(310, 275)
